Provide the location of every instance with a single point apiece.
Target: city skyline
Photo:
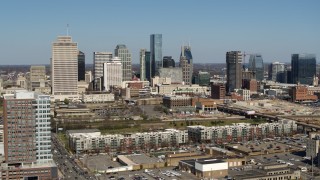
(273, 29)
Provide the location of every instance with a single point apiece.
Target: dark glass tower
(168, 62)
(303, 68)
(81, 66)
(234, 70)
(155, 53)
(256, 65)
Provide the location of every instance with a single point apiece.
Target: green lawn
(63, 138)
(184, 124)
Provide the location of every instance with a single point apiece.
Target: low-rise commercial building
(244, 93)
(98, 98)
(250, 84)
(205, 168)
(179, 89)
(175, 102)
(300, 94)
(270, 172)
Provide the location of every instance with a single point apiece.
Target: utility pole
(56, 127)
(312, 166)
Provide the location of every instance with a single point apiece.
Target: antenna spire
(67, 29)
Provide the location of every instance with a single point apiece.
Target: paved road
(66, 163)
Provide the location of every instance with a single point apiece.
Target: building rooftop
(220, 149)
(142, 159)
(192, 162)
(209, 161)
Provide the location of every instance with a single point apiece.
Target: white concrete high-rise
(112, 71)
(99, 58)
(124, 54)
(143, 64)
(64, 68)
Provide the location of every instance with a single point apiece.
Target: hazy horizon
(275, 29)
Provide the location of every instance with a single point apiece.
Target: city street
(65, 162)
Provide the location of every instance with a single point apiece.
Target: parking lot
(150, 174)
(99, 162)
(161, 174)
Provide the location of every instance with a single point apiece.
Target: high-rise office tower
(203, 78)
(155, 53)
(123, 53)
(112, 73)
(88, 77)
(81, 66)
(168, 62)
(64, 67)
(234, 70)
(99, 58)
(256, 65)
(277, 72)
(289, 75)
(37, 77)
(145, 65)
(186, 63)
(27, 136)
(303, 68)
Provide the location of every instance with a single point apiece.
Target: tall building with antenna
(64, 68)
(186, 63)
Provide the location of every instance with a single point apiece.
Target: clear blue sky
(274, 28)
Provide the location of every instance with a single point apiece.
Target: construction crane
(244, 57)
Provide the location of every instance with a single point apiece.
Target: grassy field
(184, 124)
(131, 126)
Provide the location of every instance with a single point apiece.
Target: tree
(66, 101)
(187, 123)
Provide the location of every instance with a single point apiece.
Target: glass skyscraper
(145, 66)
(256, 65)
(168, 62)
(81, 66)
(303, 68)
(155, 53)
